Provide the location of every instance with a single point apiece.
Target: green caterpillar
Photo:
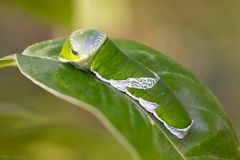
(92, 50)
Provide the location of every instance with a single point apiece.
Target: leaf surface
(211, 136)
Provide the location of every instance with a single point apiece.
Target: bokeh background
(202, 35)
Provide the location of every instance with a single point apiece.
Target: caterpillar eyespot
(74, 53)
(94, 51)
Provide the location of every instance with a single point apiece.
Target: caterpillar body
(92, 50)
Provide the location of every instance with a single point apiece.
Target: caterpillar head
(81, 47)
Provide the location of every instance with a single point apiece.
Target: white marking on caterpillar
(139, 83)
(143, 83)
(179, 132)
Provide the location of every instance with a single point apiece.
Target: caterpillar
(92, 50)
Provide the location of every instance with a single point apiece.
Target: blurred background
(201, 35)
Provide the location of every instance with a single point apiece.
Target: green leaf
(7, 61)
(211, 136)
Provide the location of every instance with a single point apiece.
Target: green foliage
(57, 11)
(28, 133)
(211, 136)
